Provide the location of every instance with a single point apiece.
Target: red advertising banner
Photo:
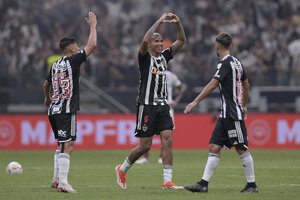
(115, 131)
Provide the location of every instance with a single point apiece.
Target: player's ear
(72, 49)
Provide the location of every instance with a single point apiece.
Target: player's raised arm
(92, 42)
(148, 36)
(181, 39)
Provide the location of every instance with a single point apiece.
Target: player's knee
(167, 136)
(215, 149)
(241, 150)
(167, 142)
(68, 147)
(146, 146)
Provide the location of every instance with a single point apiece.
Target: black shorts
(151, 120)
(228, 133)
(64, 126)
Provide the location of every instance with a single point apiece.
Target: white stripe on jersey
(156, 88)
(234, 88)
(223, 102)
(70, 75)
(148, 83)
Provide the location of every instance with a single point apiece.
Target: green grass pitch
(92, 174)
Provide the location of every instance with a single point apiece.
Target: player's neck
(153, 53)
(68, 54)
(223, 54)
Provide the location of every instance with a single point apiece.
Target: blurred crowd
(266, 38)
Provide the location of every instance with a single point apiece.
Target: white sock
(126, 165)
(248, 166)
(55, 175)
(212, 163)
(63, 165)
(168, 170)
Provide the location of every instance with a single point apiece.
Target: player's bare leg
(159, 160)
(144, 159)
(141, 149)
(167, 144)
(136, 153)
(167, 159)
(64, 166)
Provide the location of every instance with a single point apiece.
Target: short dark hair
(66, 42)
(224, 39)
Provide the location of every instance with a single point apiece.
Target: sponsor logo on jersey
(60, 66)
(154, 70)
(56, 108)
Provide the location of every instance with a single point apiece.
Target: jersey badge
(154, 70)
(145, 128)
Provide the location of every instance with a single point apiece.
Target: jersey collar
(225, 57)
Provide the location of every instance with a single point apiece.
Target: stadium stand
(266, 38)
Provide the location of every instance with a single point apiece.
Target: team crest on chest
(159, 66)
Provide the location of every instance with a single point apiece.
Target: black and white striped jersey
(64, 78)
(153, 84)
(231, 74)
